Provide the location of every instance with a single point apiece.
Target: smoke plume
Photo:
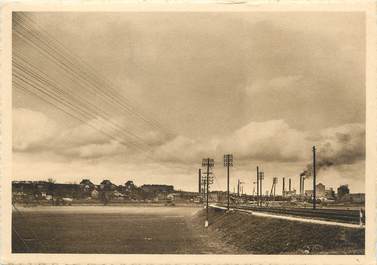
(343, 145)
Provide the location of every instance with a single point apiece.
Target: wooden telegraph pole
(207, 183)
(238, 188)
(314, 180)
(261, 177)
(228, 162)
(208, 163)
(200, 182)
(257, 185)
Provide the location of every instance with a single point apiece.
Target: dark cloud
(340, 146)
(345, 146)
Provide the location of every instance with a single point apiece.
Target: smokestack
(283, 186)
(289, 181)
(302, 180)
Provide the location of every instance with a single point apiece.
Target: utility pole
(208, 163)
(300, 184)
(283, 192)
(257, 185)
(207, 183)
(261, 177)
(228, 162)
(204, 189)
(314, 180)
(200, 181)
(289, 185)
(238, 188)
(273, 187)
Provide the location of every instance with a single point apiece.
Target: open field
(110, 229)
(171, 230)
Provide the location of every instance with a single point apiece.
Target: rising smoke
(344, 145)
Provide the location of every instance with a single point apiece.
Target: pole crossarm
(228, 160)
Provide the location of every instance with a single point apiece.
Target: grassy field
(171, 230)
(109, 229)
(261, 235)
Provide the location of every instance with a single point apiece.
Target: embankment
(261, 235)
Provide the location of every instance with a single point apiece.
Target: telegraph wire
(63, 107)
(61, 93)
(56, 98)
(20, 237)
(67, 65)
(29, 227)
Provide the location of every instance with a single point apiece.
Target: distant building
(23, 187)
(321, 192)
(342, 191)
(357, 197)
(41, 189)
(218, 196)
(129, 186)
(65, 190)
(186, 195)
(107, 185)
(330, 194)
(157, 188)
(86, 185)
(353, 197)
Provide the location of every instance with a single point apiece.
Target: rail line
(345, 216)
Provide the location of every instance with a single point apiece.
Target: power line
(29, 227)
(20, 237)
(63, 58)
(26, 75)
(68, 111)
(57, 96)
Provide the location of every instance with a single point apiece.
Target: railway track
(345, 216)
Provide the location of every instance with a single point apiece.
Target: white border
(371, 129)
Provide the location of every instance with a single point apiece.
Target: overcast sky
(263, 86)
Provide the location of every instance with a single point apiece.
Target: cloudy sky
(146, 96)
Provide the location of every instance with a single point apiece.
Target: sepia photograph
(211, 132)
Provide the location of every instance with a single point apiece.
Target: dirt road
(110, 229)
